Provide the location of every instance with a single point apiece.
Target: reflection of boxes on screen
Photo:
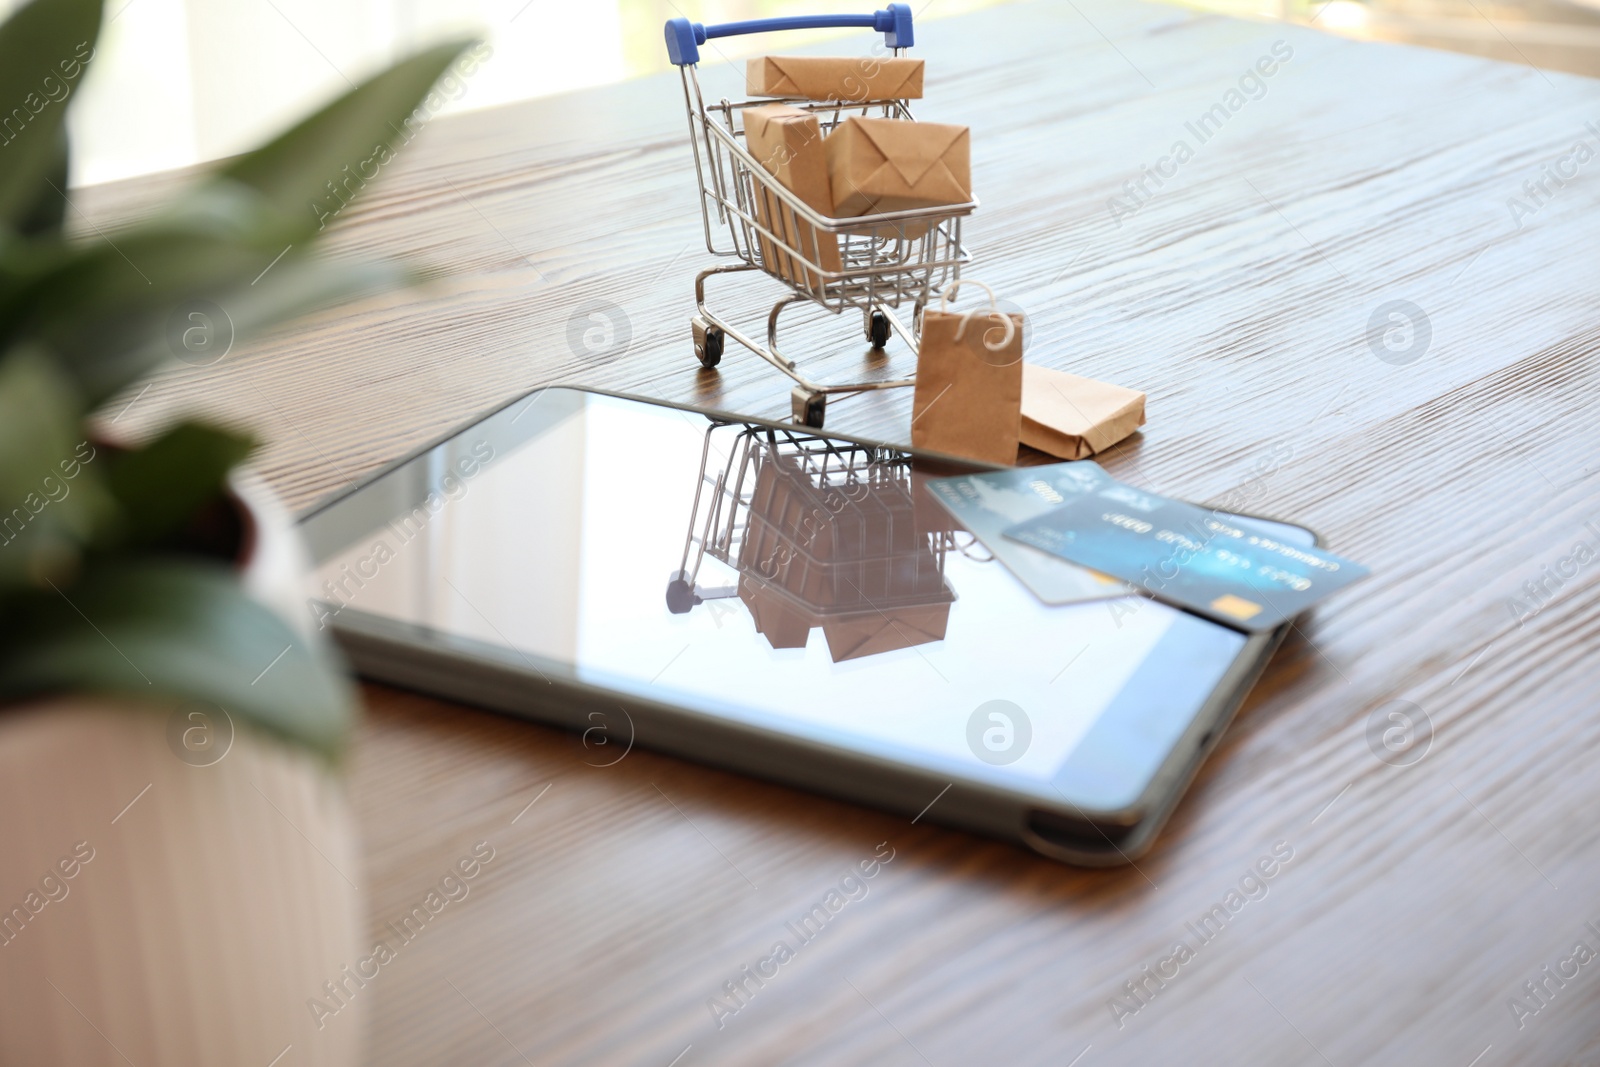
(849, 558)
(834, 77)
(878, 165)
(886, 631)
(777, 618)
(787, 143)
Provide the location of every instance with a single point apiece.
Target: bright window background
(1547, 34)
(177, 82)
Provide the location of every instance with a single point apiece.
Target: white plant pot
(163, 909)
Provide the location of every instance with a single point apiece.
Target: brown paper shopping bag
(969, 382)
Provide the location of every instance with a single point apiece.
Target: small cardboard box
(834, 77)
(877, 165)
(1072, 417)
(787, 142)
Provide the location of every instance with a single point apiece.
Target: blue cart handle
(685, 37)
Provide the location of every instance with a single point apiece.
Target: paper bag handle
(953, 290)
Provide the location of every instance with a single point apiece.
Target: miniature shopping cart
(819, 532)
(885, 261)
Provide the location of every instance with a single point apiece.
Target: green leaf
(49, 208)
(116, 308)
(105, 354)
(112, 304)
(169, 631)
(138, 270)
(51, 496)
(43, 50)
(307, 172)
(100, 300)
(161, 486)
(114, 312)
(308, 284)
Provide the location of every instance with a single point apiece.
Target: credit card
(1190, 556)
(986, 504)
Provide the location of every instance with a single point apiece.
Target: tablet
(762, 597)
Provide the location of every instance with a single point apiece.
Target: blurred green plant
(117, 572)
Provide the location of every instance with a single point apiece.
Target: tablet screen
(773, 577)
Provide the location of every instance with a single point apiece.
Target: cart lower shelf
(808, 398)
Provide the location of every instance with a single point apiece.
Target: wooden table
(1240, 294)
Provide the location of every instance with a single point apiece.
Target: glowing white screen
(560, 545)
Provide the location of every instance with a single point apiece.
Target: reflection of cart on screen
(820, 533)
(884, 261)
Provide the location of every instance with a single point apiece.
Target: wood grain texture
(1419, 899)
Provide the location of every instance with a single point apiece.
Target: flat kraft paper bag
(787, 142)
(834, 77)
(1072, 417)
(968, 395)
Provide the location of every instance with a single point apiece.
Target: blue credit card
(986, 504)
(1203, 560)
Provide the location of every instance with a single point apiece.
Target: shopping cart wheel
(808, 408)
(878, 329)
(707, 342)
(680, 593)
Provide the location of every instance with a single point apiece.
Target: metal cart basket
(885, 261)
